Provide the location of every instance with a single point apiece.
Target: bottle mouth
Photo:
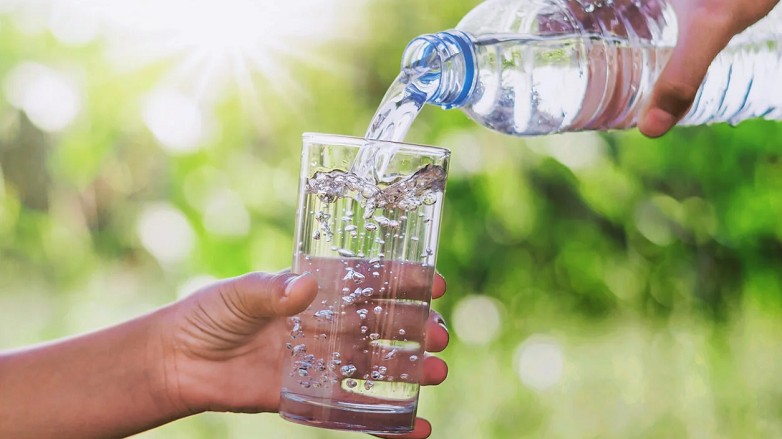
(445, 60)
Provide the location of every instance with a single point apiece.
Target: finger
(438, 287)
(421, 430)
(435, 371)
(702, 38)
(437, 335)
(260, 295)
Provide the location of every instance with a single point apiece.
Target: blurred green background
(600, 285)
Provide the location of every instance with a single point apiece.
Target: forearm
(108, 383)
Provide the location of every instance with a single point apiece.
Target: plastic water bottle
(527, 67)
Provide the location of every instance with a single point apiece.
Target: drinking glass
(354, 357)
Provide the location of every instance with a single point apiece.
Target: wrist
(168, 380)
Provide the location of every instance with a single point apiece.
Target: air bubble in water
(378, 309)
(351, 383)
(382, 369)
(402, 332)
(429, 198)
(299, 349)
(327, 230)
(362, 313)
(367, 292)
(414, 358)
(368, 385)
(390, 354)
(404, 376)
(296, 323)
(354, 276)
(370, 227)
(347, 370)
(385, 222)
(316, 235)
(324, 314)
(346, 253)
(376, 375)
(375, 274)
(374, 336)
(364, 329)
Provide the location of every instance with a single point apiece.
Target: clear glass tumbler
(355, 355)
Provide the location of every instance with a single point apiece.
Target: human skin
(219, 349)
(705, 28)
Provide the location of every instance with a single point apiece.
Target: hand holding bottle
(705, 28)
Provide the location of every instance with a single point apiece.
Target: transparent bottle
(528, 67)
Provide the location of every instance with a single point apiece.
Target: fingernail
(291, 281)
(440, 321)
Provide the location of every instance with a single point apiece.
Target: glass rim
(357, 142)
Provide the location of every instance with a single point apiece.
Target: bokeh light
(49, 97)
(477, 319)
(540, 362)
(226, 215)
(71, 22)
(175, 119)
(165, 233)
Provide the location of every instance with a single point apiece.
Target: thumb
(701, 39)
(270, 295)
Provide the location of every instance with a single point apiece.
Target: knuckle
(676, 97)
(257, 290)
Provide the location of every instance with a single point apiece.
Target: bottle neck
(443, 66)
